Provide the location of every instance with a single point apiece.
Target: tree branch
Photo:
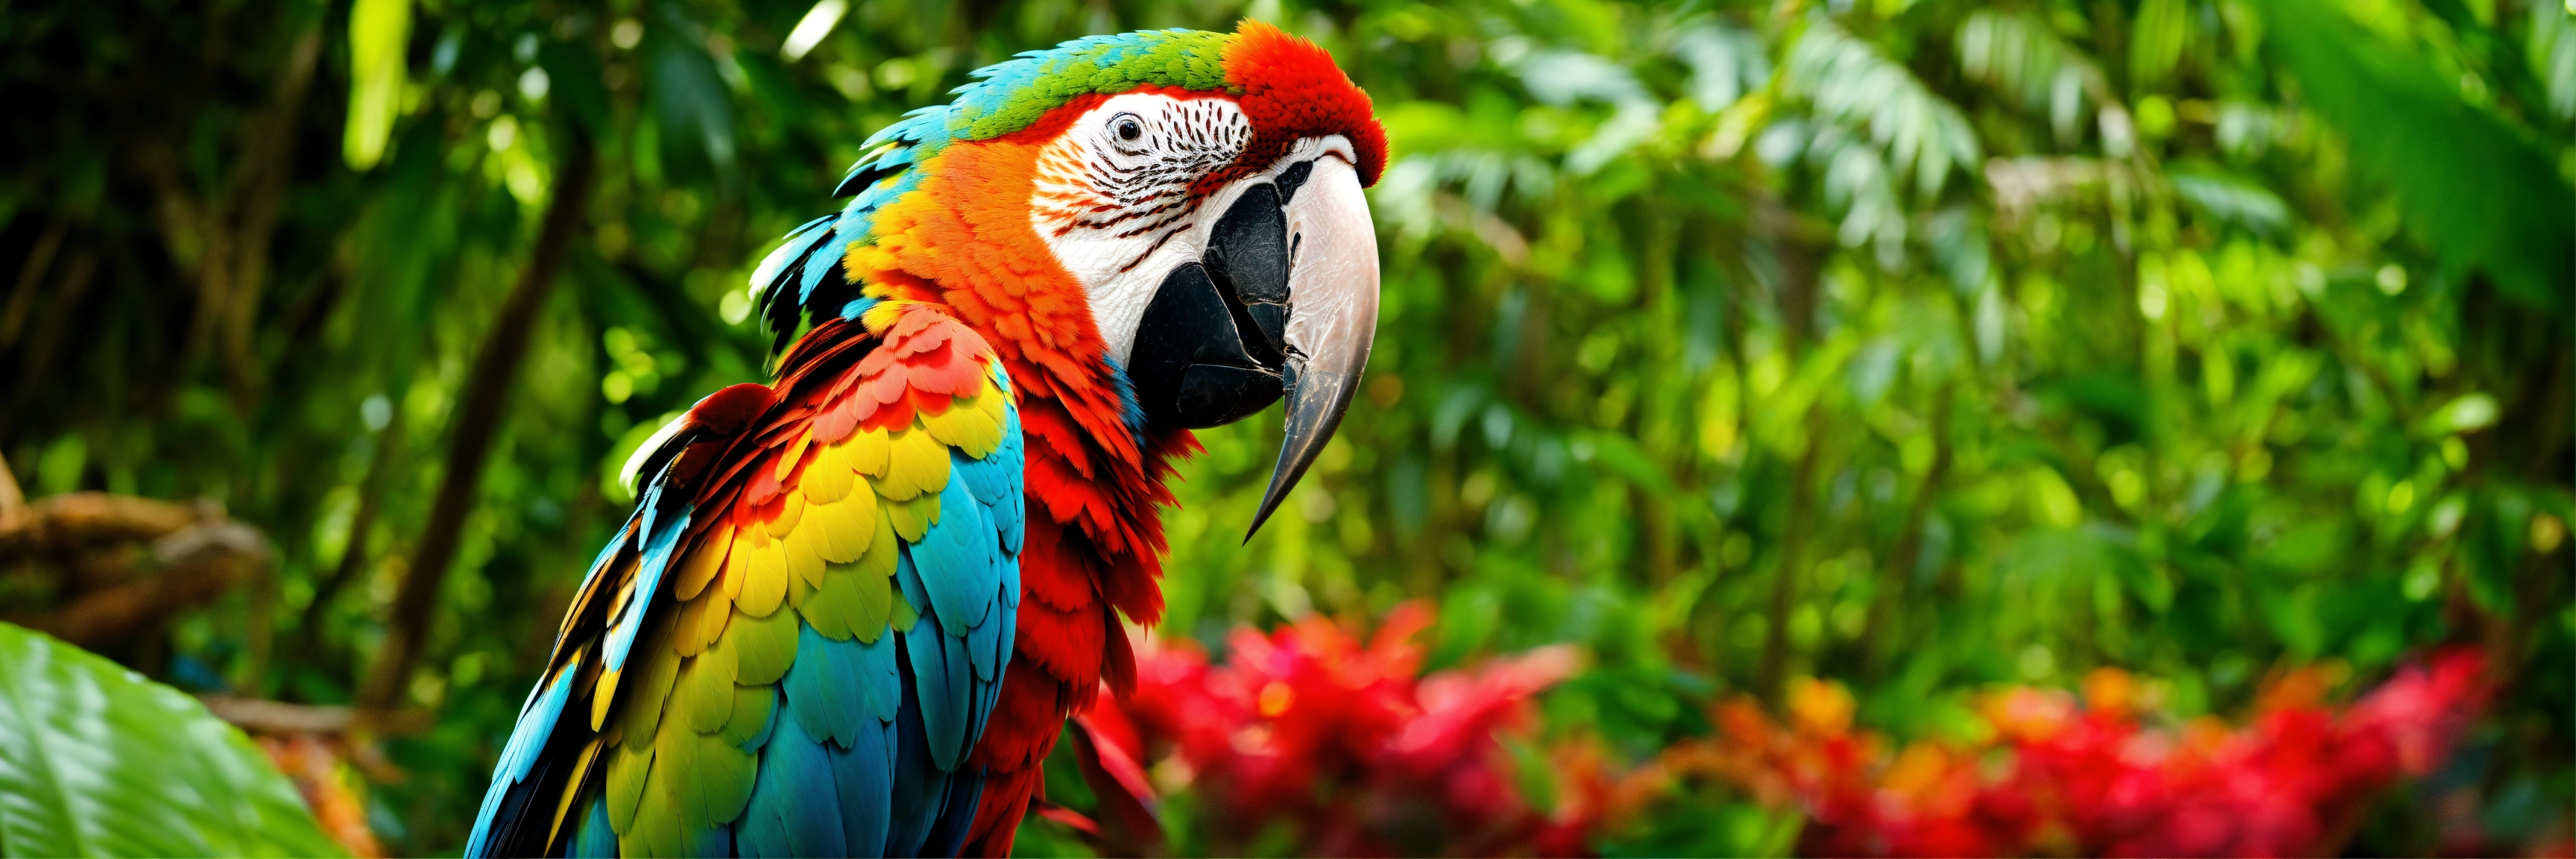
(261, 182)
(195, 554)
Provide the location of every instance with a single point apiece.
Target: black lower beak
(1209, 350)
(1250, 320)
(1195, 364)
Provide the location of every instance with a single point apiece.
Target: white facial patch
(1113, 198)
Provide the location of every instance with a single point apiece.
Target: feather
(572, 786)
(943, 678)
(790, 511)
(661, 535)
(764, 580)
(703, 562)
(536, 726)
(827, 612)
(917, 463)
(829, 478)
(799, 241)
(701, 621)
(954, 559)
(864, 773)
(650, 689)
(823, 694)
(964, 790)
(870, 451)
(919, 787)
(752, 708)
(763, 647)
(872, 603)
(795, 806)
(704, 693)
(629, 766)
(804, 556)
(595, 839)
(825, 264)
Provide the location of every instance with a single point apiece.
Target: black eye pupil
(1129, 131)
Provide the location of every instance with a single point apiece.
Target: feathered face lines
(1135, 165)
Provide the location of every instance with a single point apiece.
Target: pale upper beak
(1332, 317)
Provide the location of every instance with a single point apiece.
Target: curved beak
(1284, 301)
(1332, 317)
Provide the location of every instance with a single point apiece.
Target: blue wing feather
(595, 839)
(920, 789)
(864, 772)
(941, 694)
(823, 692)
(536, 725)
(661, 537)
(958, 554)
(795, 805)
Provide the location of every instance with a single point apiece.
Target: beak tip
(1270, 499)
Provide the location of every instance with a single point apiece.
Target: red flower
(1306, 725)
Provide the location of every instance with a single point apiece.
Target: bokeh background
(1858, 391)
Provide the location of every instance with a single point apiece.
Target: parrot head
(1179, 209)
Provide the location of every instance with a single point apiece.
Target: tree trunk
(1906, 553)
(478, 422)
(1793, 550)
(1801, 253)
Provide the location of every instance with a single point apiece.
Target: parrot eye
(1127, 127)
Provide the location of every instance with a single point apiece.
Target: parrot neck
(963, 239)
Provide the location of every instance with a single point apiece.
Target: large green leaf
(97, 761)
(2480, 192)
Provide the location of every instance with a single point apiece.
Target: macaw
(854, 607)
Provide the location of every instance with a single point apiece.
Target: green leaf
(2469, 413)
(2162, 27)
(379, 30)
(2481, 194)
(97, 761)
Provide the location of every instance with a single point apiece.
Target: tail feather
(997, 821)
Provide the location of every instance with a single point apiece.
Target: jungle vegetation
(1923, 345)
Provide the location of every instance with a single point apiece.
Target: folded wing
(794, 643)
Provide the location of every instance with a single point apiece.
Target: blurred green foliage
(1922, 344)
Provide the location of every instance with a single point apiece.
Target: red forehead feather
(1292, 89)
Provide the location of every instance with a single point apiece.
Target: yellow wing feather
(795, 453)
(701, 565)
(869, 450)
(628, 766)
(828, 479)
(790, 512)
(763, 647)
(916, 463)
(705, 689)
(804, 558)
(764, 585)
(580, 773)
(973, 425)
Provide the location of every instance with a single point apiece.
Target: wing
(795, 642)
